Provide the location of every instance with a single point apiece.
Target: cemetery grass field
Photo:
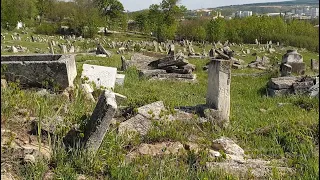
(261, 125)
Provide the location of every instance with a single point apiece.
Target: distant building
(242, 14)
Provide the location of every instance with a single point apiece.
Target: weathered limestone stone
(177, 76)
(150, 73)
(279, 92)
(138, 124)
(228, 146)
(292, 56)
(4, 83)
(100, 120)
(120, 79)
(281, 82)
(315, 65)
(314, 90)
(295, 60)
(152, 111)
(302, 87)
(63, 49)
(58, 71)
(218, 93)
(100, 75)
(285, 70)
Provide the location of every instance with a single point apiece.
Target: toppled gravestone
(53, 71)
(170, 67)
(100, 120)
(290, 85)
(295, 60)
(100, 75)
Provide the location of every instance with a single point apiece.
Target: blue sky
(135, 5)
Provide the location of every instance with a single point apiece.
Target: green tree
(216, 30)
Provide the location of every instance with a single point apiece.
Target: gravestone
(171, 50)
(155, 44)
(51, 47)
(218, 93)
(100, 75)
(285, 70)
(315, 65)
(100, 120)
(295, 60)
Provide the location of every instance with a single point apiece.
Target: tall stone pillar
(218, 93)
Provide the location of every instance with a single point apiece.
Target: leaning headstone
(100, 120)
(102, 50)
(218, 93)
(155, 44)
(100, 75)
(51, 47)
(171, 50)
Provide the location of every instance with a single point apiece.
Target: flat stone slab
(140, 61)
(100, 75)
(45, 70)
(282, 82)
(151, 72)
(138, 124)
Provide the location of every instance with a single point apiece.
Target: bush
(47, 29)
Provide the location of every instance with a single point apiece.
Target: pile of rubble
(170, 67)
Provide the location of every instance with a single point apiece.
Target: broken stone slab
(177, 76)
(100, 120)
(138, 124)
(281, 82)
(259, 169)
(171, 62)
(100, 75)
(153, 110)
(302, 87)
(150, 73)
(279, 92)
(314, 90)
(222, 55)
(163, 148)
(56, 71)
(228, 146)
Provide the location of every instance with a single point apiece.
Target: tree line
(81, 16)
(163, 21)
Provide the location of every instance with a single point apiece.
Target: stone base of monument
(298, 68)
(45, 70)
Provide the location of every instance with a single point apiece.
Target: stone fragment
(315, 65)
(138, 124)
(150, 73)
(285, 70)
(4, 83)
(228, 146)
(120, 79)
(281, 82)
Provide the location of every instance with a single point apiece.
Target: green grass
(289, 131)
